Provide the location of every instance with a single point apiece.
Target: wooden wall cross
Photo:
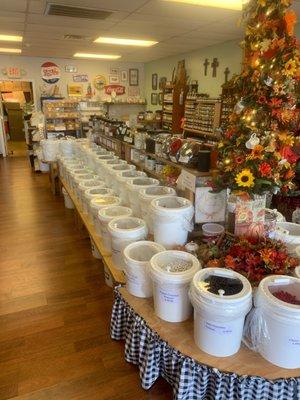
(214, 66)
(226, 73)
(206, 64)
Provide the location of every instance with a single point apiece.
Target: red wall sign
(50, 72)
(119, 89)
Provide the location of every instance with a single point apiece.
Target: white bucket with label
(117, 170)
(172, 272)
(67, 164)
(106, 215)
(134, 186)
(278, 320)
(74, 171)
(90, 184)
(172, 218)
(108, 170)
(289, 233)
(137, 259)
(147, 195)
(94, 249)
(122, 179)
(66, 147)
(221, 300)
(96, 154)
(67, 199)
(123, 231)
(95, 193)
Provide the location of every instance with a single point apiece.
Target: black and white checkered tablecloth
(189, 379)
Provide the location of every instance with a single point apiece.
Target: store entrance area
(54, 305)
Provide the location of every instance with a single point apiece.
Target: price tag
(188, 180)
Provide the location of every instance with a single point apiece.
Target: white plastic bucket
(95, 251)
(94, 193)
(50, 149)
(85, 185)
(220, 310)
(134, 186)
(106, 215)
(280, 343)
(137, 259)
(100, 161)
(122, 179)
(172, 220)
(108, 169)
(67, 199)
(81, 178)
(117, 170)
(170, 289)
(66, 147)
(212, 232)
(146, 196)
(123, 231)
(99, 202)
(289, 233)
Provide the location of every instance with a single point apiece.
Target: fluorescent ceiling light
(11, 38)
(7, 50)
(126, 42)
(99, 56)
(229, 4)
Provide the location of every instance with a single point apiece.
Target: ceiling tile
(13, 5)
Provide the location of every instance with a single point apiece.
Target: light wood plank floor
(54, 305)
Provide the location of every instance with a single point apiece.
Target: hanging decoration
(256, 152)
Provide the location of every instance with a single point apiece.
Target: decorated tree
(256, 152)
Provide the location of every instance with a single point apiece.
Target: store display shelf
(60, 117)
(141, 166)
(117, 274)
(107, 103)
(180, 337)
(201, 132)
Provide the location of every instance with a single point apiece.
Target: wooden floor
(54, 305)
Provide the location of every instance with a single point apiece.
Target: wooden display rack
(117, 275)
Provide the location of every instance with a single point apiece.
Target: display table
(117, 275)
(166, 349)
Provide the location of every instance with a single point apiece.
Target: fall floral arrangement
(256, 151)
(258, 257)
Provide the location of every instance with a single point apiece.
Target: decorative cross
(214, 66)
(206, 64)
(226, 73)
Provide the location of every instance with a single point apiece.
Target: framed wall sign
(160, 98)
(113, 79)
(162, 82)
(71, 69)
(154, 81)
(114, 71)
(99, 82)
(124, 76)
(80, 78)
(75, 90)
(133, 77)
(118, 89)
(154, 99)
(50, 72)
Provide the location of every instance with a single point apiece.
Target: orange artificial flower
(230, 262)
(262, 99)
(239, 159)
(289, 174)
(274, 102)
(265, 169)
(256, 152)
(290, 21)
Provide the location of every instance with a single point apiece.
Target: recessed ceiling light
(7, 50)
(92, 55)
(126, 42)
(229, 4)
(11, 38)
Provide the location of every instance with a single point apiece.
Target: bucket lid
(141, 252)
(219, 286)
(141, 182)
(163, 205)
(282, 293)
(105, 200)
(99, 191)
(124, 226)
(212, 229)
(108, 213)
(152, 192)
(91, 183)
(292, 228)
(174, 266)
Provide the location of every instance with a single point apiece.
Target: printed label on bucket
(169, 297)
(294, 342)
(219, 329)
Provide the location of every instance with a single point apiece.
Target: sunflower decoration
(245, 178)
(290, 68)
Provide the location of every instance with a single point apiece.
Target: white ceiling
(177, 27)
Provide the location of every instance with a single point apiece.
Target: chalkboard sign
(225, 242)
